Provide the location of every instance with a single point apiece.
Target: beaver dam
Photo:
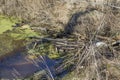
(60, 39)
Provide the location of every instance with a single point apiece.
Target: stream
(19, 66)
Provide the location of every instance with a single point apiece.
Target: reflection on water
(20, 66)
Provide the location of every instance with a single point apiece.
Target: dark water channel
(20, 66)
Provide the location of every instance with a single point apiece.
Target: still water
(20, 66)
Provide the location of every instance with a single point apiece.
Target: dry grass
(89, 61)
(92, 62)
(43, 13)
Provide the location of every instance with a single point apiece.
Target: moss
(6, 23)
(13, 38)
(23, 34)
(45, 49)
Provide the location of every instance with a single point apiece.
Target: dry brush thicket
(88, 22)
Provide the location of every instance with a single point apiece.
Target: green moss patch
(12, 38)
(6, 23)
(18, 34)
(45, 49)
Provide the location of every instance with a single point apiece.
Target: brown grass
(92, 61)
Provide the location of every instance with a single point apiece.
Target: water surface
(20, 66)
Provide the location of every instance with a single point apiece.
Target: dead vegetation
(86, 25)
(42, 13)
